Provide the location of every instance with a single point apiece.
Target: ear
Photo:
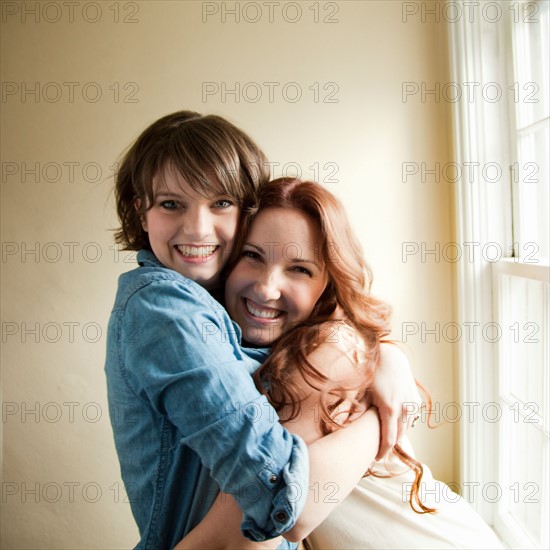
(143, 217)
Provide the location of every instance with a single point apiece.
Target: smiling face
(279, 277)
(189, 233)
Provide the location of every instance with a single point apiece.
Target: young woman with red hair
(301, 285)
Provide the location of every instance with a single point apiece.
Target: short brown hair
(196, 146)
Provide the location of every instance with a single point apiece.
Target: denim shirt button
(273, 478)
(281, 516)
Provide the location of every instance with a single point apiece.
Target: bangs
(210, 166)
(203, 182)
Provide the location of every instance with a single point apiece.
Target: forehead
(285, 227)
(170, 180)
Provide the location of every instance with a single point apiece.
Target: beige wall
(61, 485)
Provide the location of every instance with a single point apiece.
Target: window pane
(523, 475)
(523, 326)
(533, 195)
(524, 399)
(531, 47)
(530, 174)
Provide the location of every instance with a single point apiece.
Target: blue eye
(169, 205)
(223, 203)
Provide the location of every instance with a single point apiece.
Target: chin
(265, 340)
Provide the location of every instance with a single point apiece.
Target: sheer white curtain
(501, 129)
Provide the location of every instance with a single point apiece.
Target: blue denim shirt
(184, 407)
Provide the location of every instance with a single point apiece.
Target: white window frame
(482, 136)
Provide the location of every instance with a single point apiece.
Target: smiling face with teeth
(279, 277)
(188, 232)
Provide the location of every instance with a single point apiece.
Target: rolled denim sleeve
(182, 357)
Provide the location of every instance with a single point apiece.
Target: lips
(196, 251)
(261, 312)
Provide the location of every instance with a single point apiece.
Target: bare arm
(220, 530)
(337, 461)
(395, 394)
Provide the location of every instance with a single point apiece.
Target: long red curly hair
(346, 298)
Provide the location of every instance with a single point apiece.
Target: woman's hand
(395, 394)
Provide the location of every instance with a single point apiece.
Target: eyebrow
(165, 194)
(185, 196)
(291, 260)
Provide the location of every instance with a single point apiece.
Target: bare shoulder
(336, 356)
(340, 352)
(392, 352)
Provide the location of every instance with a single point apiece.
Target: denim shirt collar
(146, 258)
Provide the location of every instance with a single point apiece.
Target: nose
(268, 286)
(198, 223)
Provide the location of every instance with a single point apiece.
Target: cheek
(155, 225)
(306, 298)
(303, 303)
(243, 275)
(228, 230)
(234, 283)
